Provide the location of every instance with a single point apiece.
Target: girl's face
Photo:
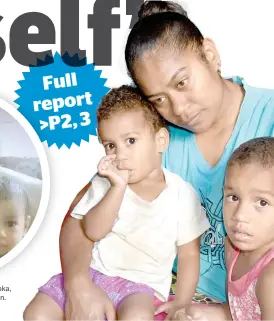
(249, 206)
(12, 225)
(137, 148)
(185, 89)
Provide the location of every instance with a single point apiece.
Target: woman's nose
(180, 106)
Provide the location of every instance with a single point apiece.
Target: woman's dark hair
(149, 8)
(161, 23)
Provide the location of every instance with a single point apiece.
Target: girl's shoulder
(265, 291)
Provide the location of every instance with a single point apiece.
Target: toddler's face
(133, 141)
(249, 206)
(12, 225)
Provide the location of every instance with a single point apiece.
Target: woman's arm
(84, 300)
(75, 255)
(75, 247)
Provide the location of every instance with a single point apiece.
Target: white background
(243, 33)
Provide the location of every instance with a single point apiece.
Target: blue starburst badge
(60, 101)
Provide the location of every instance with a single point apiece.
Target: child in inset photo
(15, 218)
(249, 222)
(139, 215)
(20, 181)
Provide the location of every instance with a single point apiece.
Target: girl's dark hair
(129, 98)
(257, 150)
(161, 23)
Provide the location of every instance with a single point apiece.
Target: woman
(179, 72)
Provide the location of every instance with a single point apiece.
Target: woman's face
(185, 89)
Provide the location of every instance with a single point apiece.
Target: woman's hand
(86, 301)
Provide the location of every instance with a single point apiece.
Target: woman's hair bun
(149, 8)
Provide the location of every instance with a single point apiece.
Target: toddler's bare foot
(192, 313)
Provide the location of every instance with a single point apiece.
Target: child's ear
(27, 223)
(162, 137)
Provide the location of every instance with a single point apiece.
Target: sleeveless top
(241, 293)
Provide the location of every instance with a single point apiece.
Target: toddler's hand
(107, 167)
(171, 309)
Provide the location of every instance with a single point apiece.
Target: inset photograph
(21, 179)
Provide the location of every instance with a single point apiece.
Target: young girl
(249, 222)
(15, 217)
(138, 214)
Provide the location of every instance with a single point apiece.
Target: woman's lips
(192, 121)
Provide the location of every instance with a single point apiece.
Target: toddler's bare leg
(203, 312)
(43, 307)
(136, 307)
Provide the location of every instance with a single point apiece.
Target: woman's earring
(219, 68)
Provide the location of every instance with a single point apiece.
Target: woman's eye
(262, 203)
(232, 198)
(181, 84)
(158, 101)
(131, 140)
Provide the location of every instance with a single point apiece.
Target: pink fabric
(116, 288)
(241, 293)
